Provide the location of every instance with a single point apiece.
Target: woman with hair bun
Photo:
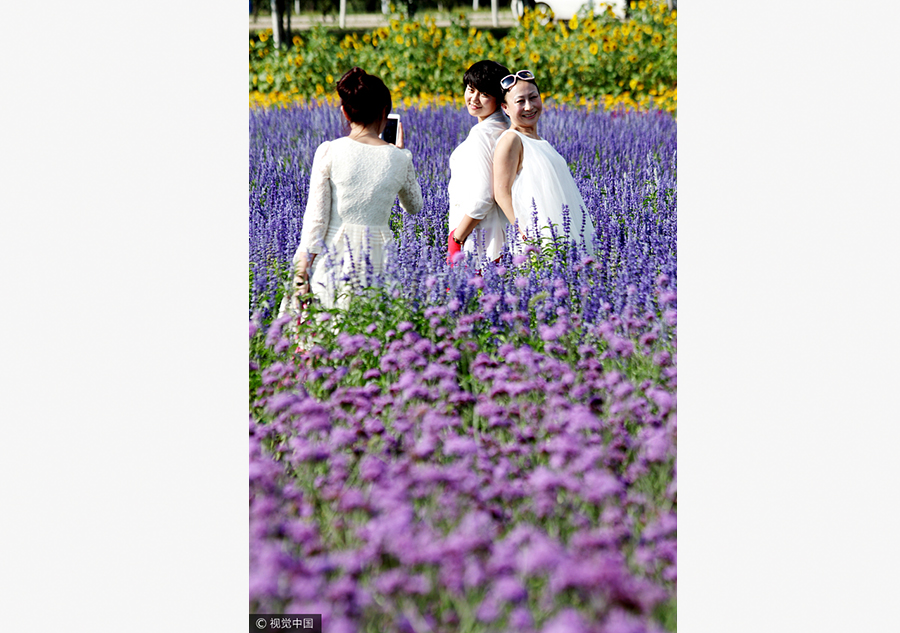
(352, 188)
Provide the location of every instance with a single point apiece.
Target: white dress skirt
(352, 190)
(471, 189)
(540, 190)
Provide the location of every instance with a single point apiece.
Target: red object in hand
(452, 248)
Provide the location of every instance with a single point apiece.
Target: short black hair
(485, 77)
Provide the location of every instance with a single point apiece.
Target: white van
(565, 9)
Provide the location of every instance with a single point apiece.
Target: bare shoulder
(509, 141)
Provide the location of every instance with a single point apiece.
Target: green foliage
(384, 315)
(589, 59)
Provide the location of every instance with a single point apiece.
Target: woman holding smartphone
(532, 182)
(353, 184)
(476, 223)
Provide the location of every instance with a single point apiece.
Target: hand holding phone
(393, 131)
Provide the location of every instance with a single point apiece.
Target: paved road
(481, 20)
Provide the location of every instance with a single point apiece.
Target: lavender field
(471, 450)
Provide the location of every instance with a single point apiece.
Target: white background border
(124, 449)
(787, 280)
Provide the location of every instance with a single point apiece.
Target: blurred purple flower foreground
(471, 452)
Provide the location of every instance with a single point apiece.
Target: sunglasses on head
(510, 80)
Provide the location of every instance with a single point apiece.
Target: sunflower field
(590, 60)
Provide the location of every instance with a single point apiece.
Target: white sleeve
(479, 169)
(318, 204)
(410, 192)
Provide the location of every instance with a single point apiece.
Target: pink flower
(657, 446)
(663, 400)
(567, 621)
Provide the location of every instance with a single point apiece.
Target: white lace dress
(352, 190)
(543, 186)
(471, 189)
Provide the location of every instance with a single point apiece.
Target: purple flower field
(471, 451)
(624, 165)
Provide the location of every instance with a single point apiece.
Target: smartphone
(390, 130)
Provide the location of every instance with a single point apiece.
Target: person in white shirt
(477, 225)
(353, 184)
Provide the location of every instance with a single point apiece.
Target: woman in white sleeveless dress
(352, 188)
(477, 225)
(530, 177)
